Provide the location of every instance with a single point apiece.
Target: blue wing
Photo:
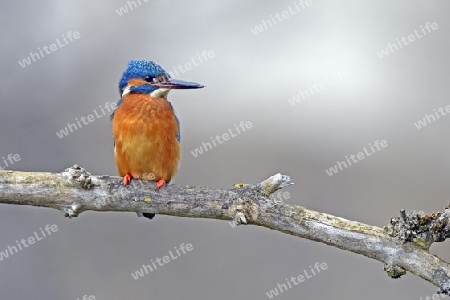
(178, 136)
(117, 106)
(178, 126)
(112, 116)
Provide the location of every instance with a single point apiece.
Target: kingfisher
(145, 128)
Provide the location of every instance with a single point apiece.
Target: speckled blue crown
(139, 69)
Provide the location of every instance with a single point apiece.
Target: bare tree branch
(402, 245)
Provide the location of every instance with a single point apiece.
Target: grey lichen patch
(405, 227)
(423, 230)
(79, 175)
(394, 271)
(444, 281)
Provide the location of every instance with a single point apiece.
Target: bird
(145, 129)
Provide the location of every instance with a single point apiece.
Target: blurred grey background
(250, 78)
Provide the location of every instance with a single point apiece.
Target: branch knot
(79, 175)
(421, 229)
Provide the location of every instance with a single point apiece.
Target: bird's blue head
(147, 77)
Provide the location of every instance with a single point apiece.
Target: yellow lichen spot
(240, 185)
(148, 200)
(421, 242)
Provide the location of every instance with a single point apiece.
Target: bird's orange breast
(145, 131)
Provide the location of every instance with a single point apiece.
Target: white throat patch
(126, 90)
(160, 93)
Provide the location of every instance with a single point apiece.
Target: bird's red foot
(127, 178)
(160, 183)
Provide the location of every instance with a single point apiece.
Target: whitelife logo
(225, 137)
(194, 62)
(360, 156)
(11, 158)
(86, 297)
(53, 47)
(11, 250)
(161, 262)
(434, 297)
(110, 107)
(130, 4)
(391, 48)
(317, 87)
(430, 118)
(318, 267)
(266, 24)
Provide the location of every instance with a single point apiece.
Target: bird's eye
(148, 78)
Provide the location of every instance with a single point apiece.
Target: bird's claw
(160, 183)
(127, 178)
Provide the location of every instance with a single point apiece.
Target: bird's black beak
(177, 84)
